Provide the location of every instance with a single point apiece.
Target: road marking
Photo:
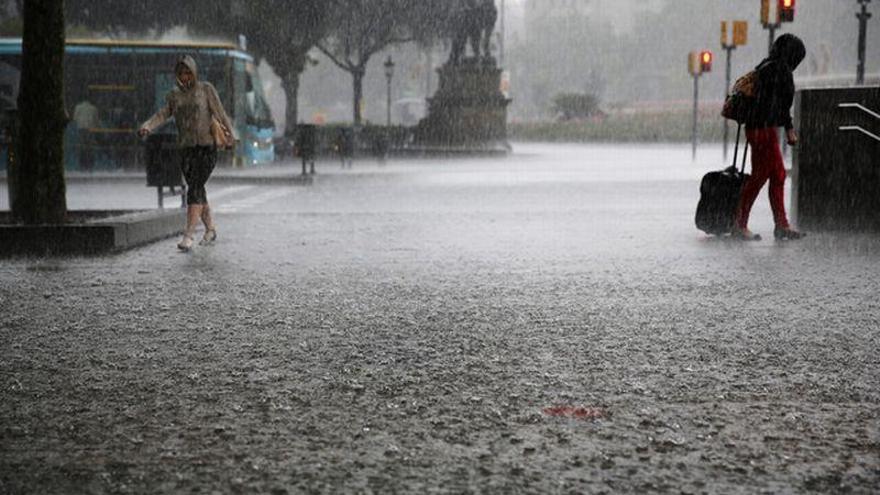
(253, 201)
(229, 191)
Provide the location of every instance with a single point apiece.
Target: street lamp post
(772, 29)
(729, 49)
(503, 33)
(389, 74)
(696, 114)
(739, 36)
(698, 63)
(863, 17)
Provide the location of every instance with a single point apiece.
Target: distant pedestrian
(772, 110)
(194, 105)
(86, 117)
(345, 145)
(306, 145)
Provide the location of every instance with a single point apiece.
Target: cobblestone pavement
(547, 323)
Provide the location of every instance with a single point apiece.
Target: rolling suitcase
(719, 195)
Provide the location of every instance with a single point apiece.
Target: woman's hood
(789, 49)
(189, 63)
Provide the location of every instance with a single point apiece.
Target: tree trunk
(290, 67)
(40, 190)
(358, 80)
(291, 89)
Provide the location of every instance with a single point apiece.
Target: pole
(503, 34)
(429, 61)
(696, 100)
(772, 29)
(388, 116)
(12, 167)
(863, 17)
(729, 49)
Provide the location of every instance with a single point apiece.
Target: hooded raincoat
(192, 107)
(776, 84)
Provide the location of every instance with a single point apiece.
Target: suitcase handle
(742, 169)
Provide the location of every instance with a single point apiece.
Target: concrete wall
(836, 174)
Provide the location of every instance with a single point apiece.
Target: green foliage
(11, 27)
(575, 105)
(671, 127)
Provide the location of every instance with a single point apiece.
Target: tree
(283, 33)
(575, 105)
(10, 18)
(362, 28)
(38, 175)
(565, 50)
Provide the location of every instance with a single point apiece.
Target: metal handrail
(860, 107)
(860, 129)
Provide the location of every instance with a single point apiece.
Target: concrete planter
(836, 168)
(90, 232)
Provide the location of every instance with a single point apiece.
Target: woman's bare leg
(193, 212)
(210, 229)
(207, 218)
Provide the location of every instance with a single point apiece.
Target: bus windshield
(253, 104)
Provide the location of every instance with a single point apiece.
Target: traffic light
(740, 33)
(765, 12)
(694, 63)
(786, 10)
(705, 61)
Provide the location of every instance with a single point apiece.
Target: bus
(112, 87)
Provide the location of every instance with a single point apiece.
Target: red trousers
(766, 164)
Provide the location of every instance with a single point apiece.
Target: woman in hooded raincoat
(194, 105)
(775, 96)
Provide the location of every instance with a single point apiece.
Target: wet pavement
(551, 322)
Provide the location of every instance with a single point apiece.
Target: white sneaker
(186, 243)
(209, 237)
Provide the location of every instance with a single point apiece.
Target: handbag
(222, 137)
(740, 103)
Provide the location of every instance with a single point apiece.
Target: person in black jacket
(774, 99)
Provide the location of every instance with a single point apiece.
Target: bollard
(11, 138)
(306, 144)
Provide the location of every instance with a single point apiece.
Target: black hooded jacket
(776, 84)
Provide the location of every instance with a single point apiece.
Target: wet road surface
(425, 326)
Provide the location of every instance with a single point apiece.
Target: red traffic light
(706, 61)
(786, 10)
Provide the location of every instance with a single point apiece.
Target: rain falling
(444, 246)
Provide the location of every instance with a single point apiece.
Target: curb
(96, 232)
(292, 178)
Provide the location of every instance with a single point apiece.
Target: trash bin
(163, 162)
(306, 145)
(345, 145)
(163, 166)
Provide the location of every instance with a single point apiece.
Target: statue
(468, 111)
(473, 21)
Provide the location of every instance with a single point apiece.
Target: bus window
(239, 83)
(213, 70)
(163, 83)
(10, 74)
(115, 103)
(258, 111)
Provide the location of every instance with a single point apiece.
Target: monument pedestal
(468, 110)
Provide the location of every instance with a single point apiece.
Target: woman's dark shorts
(197, 163)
